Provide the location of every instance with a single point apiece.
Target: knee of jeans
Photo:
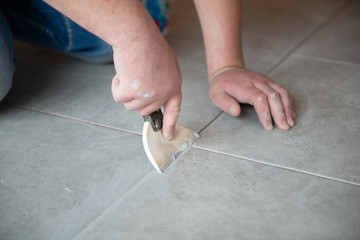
(6, 77)
(7, 60)
(5, 85)
(99, 52)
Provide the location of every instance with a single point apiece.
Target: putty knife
(160, 151)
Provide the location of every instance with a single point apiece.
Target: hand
(147, 78)
(241, 85)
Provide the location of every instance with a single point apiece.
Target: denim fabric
(159, 10)
(7, 62)
(35, 22)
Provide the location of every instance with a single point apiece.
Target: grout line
(310, 35)
(327, 60)
(207, 125)
(112, 206)
(279, 166)
(73, 119)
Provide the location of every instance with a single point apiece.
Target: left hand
(241, 85)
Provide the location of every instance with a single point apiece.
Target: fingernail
(285, 125)
(232, 110)
(291, 122)
(269, 126)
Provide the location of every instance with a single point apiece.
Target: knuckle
(261, 97)
(174, 107)
(144, 112)
(175, 110)
(281, 115)
(266, 115)
(116, 97)
(129, 107)
(224, 105)
(283, 91)
(274, 95)
(169, 124)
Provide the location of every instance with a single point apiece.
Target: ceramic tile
(257, 59)
(283, 24)
(58, 62)
(183, 21)
(210, 196)
(270, 29)
(338, 40)
(187, 48)
(325, 138)
(57, 175)
(68, 87)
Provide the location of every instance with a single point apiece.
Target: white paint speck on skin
(149, 94)
(68, 189)
(136, 84)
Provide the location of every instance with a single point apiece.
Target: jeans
(35, 22)
(7, 60)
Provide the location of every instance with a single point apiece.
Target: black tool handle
(156, 119)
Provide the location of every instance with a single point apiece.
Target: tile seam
(279, 166)
(118, 201)
(71, 118)
(327, 60)
(312, 33)
(213, 120)
(113, 205)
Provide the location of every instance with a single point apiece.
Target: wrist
(224, 69)
(139, 32)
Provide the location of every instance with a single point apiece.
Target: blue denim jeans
(7, 60)
(35, 22)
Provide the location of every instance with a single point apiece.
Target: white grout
(327, 60)
(310, 35)
(278, 166)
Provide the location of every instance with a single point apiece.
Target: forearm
(118, 22)
(221, 27)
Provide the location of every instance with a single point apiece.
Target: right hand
(148, 77)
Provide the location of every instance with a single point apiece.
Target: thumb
(171, 114)
(225, 102)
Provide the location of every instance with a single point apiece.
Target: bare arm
(221, 26)
(118, 23)
(230, 82)
(147, 71)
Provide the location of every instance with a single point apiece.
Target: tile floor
(73, 165)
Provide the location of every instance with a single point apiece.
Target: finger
(147, 110)
(118, 93)
(292, 103)
(286, 101)
(262, 108)
(225, 102)
(276, 105)
(259, 100)
(138, 104)
(171, 114)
